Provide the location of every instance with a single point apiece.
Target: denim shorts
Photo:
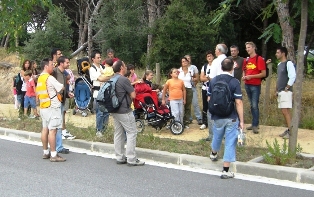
(30, 101)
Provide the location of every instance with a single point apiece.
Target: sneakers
(32, 116)
(251, 127)
(136, 163)
(255, 130)
(64, 151)
(226, 175)
(46, 156)
(99, 134)
(57, 158)
(284, 133)
(67, 135)
(213, 157)
(123, 161)
(199, 121)
(203, 127)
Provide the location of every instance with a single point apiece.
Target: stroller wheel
(84, 114)
(176, 127)
(74, 111)
(139, 125)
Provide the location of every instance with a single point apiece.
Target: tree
(56, 34)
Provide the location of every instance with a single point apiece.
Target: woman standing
(204, 77)
(188, 77)
(21, 92)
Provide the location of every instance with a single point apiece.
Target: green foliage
(124, 29)
(57, 34)
(277, 155)
(182, 31)
(273, 30)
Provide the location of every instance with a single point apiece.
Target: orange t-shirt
(175, 87)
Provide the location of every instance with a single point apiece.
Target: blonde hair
(251, 43)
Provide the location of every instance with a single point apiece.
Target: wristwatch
(286, 88)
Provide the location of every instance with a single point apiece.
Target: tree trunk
(6, 43)
(3, 40)
(297, 105)
(152, 9)
(282, 7)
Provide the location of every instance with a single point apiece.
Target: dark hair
(61, 60)
(116, 67)
(185, 59)
(93, 55)
(35, 72)
(54, 52)
(170, 72)
(283, 50)
(235, 46)
(110, 50)
(130, 66)
(109, 61)
(44, 62)
(128, 73)
(28, 73)
(227, 64)
(23, 66)
(210, 52)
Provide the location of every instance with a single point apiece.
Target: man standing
(286, 77)
(237, 62)
(58, 73)
(95, 72)
(220, 52)
(55, 54)
(227, 126)
(196, 107)
(47, 91)
(254, 69)
(124, 120)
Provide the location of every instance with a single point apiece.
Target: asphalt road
(24, 173)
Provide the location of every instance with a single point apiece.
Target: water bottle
(241, 138)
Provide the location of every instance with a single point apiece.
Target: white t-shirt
(207, 71)
(94, 74)
(186, 78)
(53, 86)
(23, 88)
(216, 66)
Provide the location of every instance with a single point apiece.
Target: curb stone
(251, 167)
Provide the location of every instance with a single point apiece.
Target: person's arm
(133, 95)
(163, 100)
(239, 107)
(291, 74)
(203, 77)
(184, 93)
(103, 78)
(260, 75)
(260, 66)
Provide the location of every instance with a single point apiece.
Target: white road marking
(245, 177)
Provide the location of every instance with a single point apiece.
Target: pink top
(30, 88)
(14, 92)
(133, 78)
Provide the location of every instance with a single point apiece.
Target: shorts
(284, 99)
(51, 118)
(30, 101)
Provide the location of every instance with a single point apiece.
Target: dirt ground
(305, 137)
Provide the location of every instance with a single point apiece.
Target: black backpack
(18, 82)
(221, 101)
(267, 69)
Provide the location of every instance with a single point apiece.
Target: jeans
(59, 145)
(253, 93)
(229, 129)
(187, 106)
(209, 124)
(196, 106)
(102, 118)
(177, 109)
(205, 107)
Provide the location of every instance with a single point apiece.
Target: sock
(46, 152)
(214, 153)
(53, 153)
(226, 169)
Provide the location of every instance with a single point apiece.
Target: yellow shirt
(108, 72)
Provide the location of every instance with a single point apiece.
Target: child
(133, 76)
(30, 95)
(148, 77)
(177, 94)
(108, 71)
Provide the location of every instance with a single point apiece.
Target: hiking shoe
(203, 127)
(57, 158)
(99, 134)
(136, 163)
(213, 157)
(123, 161)
(67, 135)
(226, 175)
(199, 121)
(46, 156)
(64, 151)
(255, 130)
(32, 116)
(284, 133)
(286, 136)
(251, 127)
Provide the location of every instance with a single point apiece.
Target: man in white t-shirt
(96, 77)
(220, 52)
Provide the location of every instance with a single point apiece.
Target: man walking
(228, 125)
(124, 120)
(47, 91)
(237, 62)
(254, 69)
(286, 78)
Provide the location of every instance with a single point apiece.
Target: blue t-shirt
(235, 88)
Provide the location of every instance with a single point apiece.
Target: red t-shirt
(251, 67)
(30, 88)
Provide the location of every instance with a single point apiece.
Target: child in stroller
(147, 108)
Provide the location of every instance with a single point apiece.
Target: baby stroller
(82, 88)
(158, 116)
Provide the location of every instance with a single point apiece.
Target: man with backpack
(254, 69)
(286, 78)
(124, 120)
(225, 105)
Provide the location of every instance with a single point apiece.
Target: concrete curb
(251, 167)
